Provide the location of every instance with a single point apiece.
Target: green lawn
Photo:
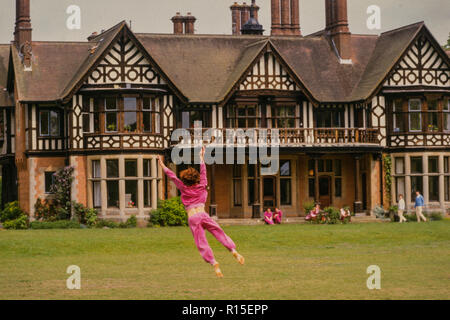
(282, 262)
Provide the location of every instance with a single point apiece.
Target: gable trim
(422, 31)
(268, 48)
(123, 30)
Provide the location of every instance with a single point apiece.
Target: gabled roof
(389, 49)
(97, 48)
(203, 68)
(5, 99)
(54, 64)
(206, 68)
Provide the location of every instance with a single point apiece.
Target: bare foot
(217, 270)
(239, 257)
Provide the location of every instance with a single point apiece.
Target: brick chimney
(295, 18)
(183, 24)
(245, 14)
(189, 23)
(276, 17)
(285, 17)
(337, 28)
(23, 31)
(236, 18)
(178, 24)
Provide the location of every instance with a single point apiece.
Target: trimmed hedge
(61, 224)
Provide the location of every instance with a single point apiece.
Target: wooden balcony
(298, 137)
(119, 141)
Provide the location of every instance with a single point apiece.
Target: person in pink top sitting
(193, 188)
(268, 216)
(313, 213)
(277, 216)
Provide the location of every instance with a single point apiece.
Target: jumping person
(277, 216)
(401, 208)
(268, 216)
(419, 204)
(193, 195)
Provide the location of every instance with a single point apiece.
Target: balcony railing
(108, 141)
(285, 137)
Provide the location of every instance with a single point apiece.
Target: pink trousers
(198, 223)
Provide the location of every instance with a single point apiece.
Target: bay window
(49, 123)
(124, 114)
(130, 114)
(127, 181)
(330, 117)
(446, 115)
(415, 115)
(284, 116)
(433, 115)
(151, 115)
(429, 113)
(244, 116)
(111, 111)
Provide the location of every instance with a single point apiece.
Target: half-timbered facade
(337, 101)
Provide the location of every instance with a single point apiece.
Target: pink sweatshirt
(192, 196)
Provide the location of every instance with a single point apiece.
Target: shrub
(12, 211)
(60, 224)
(45, 210)
(435, 216)
(21, 223)
(84, 215)
(332, 215)
(131, 222)
(62, 189)
(308, 206)
(101, 223)
(170, 212)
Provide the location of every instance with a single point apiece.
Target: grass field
(282, 262)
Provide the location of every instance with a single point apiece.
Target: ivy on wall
(387, 166)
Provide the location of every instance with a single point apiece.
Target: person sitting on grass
(268, 216)
(193, 187)
(345, 213)
(277, 216)
(312, 216)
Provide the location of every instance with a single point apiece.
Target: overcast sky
(214, 17)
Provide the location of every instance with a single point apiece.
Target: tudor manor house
(342, 102)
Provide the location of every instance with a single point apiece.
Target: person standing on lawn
(192, 186)
(401, 208)
(419, 204)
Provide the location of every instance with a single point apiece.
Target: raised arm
(172, 176)
(203, 174)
